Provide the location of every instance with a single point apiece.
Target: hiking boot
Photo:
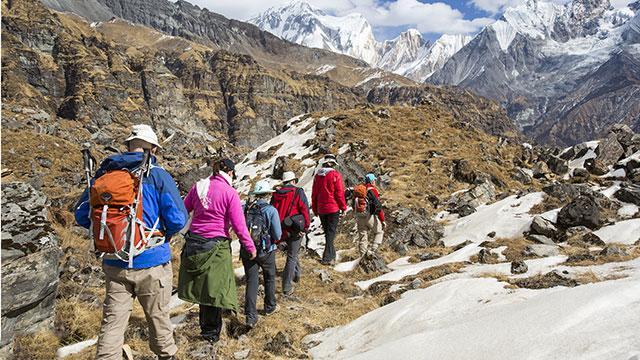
(288, 292)
(328, 262)
(252, 323)
(269, 312)
(211, 339)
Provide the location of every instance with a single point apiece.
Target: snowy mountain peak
(304, 24)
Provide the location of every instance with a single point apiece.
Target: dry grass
(548, 203)
(77, 320)
(515, 247)
(41, 345)
(597, 259)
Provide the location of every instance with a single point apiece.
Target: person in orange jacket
(328, 202)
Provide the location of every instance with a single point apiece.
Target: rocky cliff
(30, 255)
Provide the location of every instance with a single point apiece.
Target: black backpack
(258, 226)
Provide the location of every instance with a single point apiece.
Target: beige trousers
(368, 224)
(152, 287)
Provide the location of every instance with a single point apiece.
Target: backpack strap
(296, 194)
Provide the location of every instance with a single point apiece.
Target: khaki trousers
(368, 224)
(152, 287)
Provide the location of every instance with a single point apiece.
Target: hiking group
(132, 208)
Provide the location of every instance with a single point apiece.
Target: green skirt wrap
(207, 278)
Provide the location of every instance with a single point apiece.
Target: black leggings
(330, 227)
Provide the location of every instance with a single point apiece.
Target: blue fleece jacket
(160, 199)
(271, 213)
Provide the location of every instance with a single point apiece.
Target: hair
(216, 165)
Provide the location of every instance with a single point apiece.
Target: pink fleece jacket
(222, 212)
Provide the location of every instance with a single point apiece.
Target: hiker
(206, 272)
(328, 202)
(264, 225)
(147, 275)
(368, 213)
(293, 209)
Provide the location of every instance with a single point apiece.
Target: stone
(30, 257)
(383, 113)
(629, 194)
(581, 211)
(323, 274)
(465, 210)
(623, 134)
(463, 171)
(540, 239)
(485, 256)
(613, 250)
(415, 227)
(540, 170)
(592, 239)
(415, 284)
(609, 152)
(373, 263)
(542, 226)
(548, 280)
(541, 250)
(491, 234)
(479, 194)
(557, 165)
(575, 232)
(584, 256)
(242, 354)
(519, 267)
(580, 174)
(522, 176)
(280, 345)
(428, 256)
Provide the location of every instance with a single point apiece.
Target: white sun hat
(262, 187)
(143, 132)
(289, 176)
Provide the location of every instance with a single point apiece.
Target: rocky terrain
(473, 209)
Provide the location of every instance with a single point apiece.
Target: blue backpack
(258, 226)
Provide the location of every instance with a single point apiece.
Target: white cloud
(436, 17)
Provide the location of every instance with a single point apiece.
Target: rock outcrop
(30, 256)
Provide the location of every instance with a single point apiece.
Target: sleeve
(314, 196)
(274, 226)
(82, 211)
(189, 199)
(239, 224)
(339, 193)
(303, 207)
(172, 210)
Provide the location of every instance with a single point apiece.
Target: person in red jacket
(328, 202)
(370, 218)
(291, 203)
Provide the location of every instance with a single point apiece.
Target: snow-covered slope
(408, 54)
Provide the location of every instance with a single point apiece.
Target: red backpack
(116, 215)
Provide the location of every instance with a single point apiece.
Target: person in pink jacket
(206, 272)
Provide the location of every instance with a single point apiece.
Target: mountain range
(565, 73)
(408, 54)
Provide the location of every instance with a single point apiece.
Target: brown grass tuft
(41, 345)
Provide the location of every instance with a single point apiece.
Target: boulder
(540, 170)
(623, 134)
(373, 263)
(542, 226)
(581, 211)
(580, 174)
(575, 232)
(629, 194)
(519, 267)
(30, 256)
(557, 165)
(592, 239)
(485, 256)
(479, 194)
(541, 250)
(609, 152)
(464, 210)
(522, 176)
(613, 250)
(540, 239)
(414, 227)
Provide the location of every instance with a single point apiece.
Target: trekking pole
(89, 164)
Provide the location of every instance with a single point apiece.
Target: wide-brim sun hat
(143, 132)
(262, 187)
(328, 159)
(289, 176)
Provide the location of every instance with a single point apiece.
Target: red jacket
(283, 199)
(375, 192)
(327, 196)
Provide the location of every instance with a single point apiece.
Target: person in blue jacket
(263, 223)
(150, 278)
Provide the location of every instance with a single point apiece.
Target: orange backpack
(116, 216)
(360, 201)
